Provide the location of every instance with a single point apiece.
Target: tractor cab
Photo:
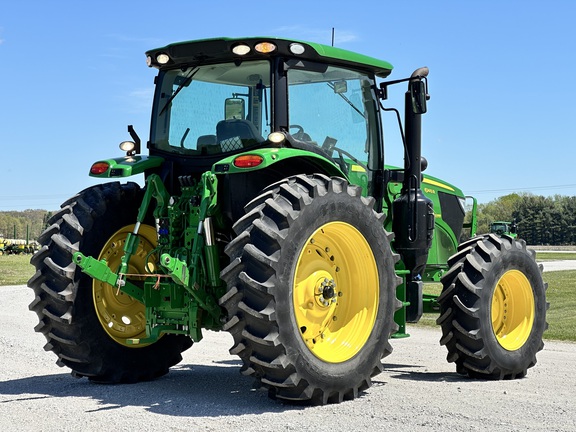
(210, 105)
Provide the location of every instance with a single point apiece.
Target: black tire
(493, 308)
(64, 299)
(276, 315)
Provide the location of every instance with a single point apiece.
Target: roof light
(265, 47)
(148, 61)
(248, 161)
(99, 168)
(129, 147)
(276, 137)
(297, 49)
(241, 49)
(162, 58)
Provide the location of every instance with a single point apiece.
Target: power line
(30, 197)
(524, 189)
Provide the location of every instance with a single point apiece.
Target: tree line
(23, 224)
(540, 220)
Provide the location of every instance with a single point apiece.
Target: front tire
(311, 290)
(86, 322)
(493, 308)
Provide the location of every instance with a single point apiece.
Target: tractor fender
(124, 166)
(263, 158)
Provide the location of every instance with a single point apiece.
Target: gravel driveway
(559, 265)
(419, 391)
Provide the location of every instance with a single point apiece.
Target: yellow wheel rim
(512, 310)
(121, 316)
(336, 292)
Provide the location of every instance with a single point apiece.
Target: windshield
(212, 109)
(499, 228)
(334, 108)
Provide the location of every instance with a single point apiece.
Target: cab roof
(221, 49)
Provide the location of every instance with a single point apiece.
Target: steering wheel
(300, 134)
(342, 153)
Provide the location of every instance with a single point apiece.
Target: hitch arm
(99, 270)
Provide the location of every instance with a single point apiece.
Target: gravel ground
(419, 391)
(559, 265)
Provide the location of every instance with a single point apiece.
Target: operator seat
(236, 134)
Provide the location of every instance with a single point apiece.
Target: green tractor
(268, 212)
(504, 228)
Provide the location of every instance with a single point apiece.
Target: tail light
(248, 161)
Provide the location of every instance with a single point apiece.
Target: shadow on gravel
(404, 372)
(216, 390)
(188, 390)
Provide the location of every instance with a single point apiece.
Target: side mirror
(234, 109)
(340, 87)
(419, 96)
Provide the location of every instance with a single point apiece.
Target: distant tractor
(504, 228)
(268, 212)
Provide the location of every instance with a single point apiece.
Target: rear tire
(311, 290)
(493, 308)
(85, 322)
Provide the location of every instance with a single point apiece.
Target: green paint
(129, 165)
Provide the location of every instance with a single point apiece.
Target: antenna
(332, 36)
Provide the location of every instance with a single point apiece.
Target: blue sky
(500, 120)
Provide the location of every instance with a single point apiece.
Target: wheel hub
(327, 291)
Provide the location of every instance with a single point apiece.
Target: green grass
(15, 269)
(561, 295)
(555, 256)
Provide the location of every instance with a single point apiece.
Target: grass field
(555, 256)
(561, 294)
(15, 269)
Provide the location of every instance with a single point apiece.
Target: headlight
(276, 137)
